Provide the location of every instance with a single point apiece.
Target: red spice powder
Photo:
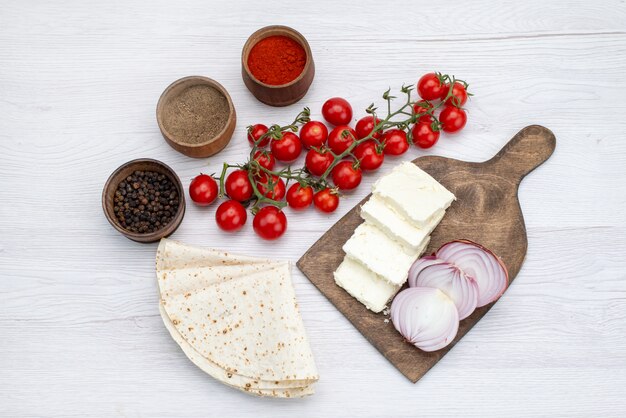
(276, 60)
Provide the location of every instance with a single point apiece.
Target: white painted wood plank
(79, 328)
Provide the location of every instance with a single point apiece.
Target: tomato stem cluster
(402, 118)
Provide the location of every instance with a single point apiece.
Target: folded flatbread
(236, 318)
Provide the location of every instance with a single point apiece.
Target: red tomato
(423, 135)
(326, 200)
(203, 190)
(313, 134)
(341, 138)
(265, 159)
(345, 176)
(365, 126)
(430, 87)
(369, 156)
(238, 186)
(459, 94)
(423, 107)
(337, 111)
(278, 186)
(318, 161)
(395, 142)
(299, 197)
(230, 216)
(288, 148)
(270, 222)
(256, 132)
(452, 119)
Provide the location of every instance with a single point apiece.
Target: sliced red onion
(452, 281)
(426, 317)
(419, 265)
(481, 264)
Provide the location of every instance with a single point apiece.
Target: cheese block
(376, 212)
(381, 254)
(367, 287)
(413, 193)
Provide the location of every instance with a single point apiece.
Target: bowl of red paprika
(277, 65)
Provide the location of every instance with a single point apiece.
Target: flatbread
(249, 326)
(289, 389)
(172, 254)
(236, 318)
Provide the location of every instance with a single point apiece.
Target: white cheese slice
(381, 254)
(376, 212)
(413, 193)
(367, 287)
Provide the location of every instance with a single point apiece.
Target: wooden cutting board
(486, 211)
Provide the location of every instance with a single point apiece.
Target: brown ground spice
(196, 115)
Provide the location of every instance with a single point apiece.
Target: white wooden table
(80, 332)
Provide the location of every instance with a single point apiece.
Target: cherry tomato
(238, 186)
(318, 161)
(459, 94)
(365, 126)
(395, 142)
(337, 111)
(265, 159)
(423, 135)
(270, 222)
(313, 134)
(256, 132)
(299, 197)
(288, 148)
(429, 87)
(452, 119)
(203, 190)
(369, 155)
(423, 107)
(326, 200)
(345, 176)
(341, 138)
(278, 186)
(230, 216)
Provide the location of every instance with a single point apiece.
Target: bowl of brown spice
(277, 65)
(144, 200)
(196, 116)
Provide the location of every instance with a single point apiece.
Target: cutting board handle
(526, 151)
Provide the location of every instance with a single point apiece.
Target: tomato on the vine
(326, 200)
(270, 222)
(459, 94)
(369, 155)
(313, 134)
(318, 161)
(230, 216)
(423, 135)
(341, 138)
(277, 191)
(423, 107)
(346, 176)
(265, 159)
(299, 197)
(203, 190)
(257, 132)
(238, 186)
(395, 142)
(288, 148)
(430, 87)
(337, 111)
(452, 119)
(365, 126)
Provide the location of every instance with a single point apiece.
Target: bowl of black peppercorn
(144, 200)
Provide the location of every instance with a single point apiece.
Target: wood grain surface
(80, 331)
(486, 211)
